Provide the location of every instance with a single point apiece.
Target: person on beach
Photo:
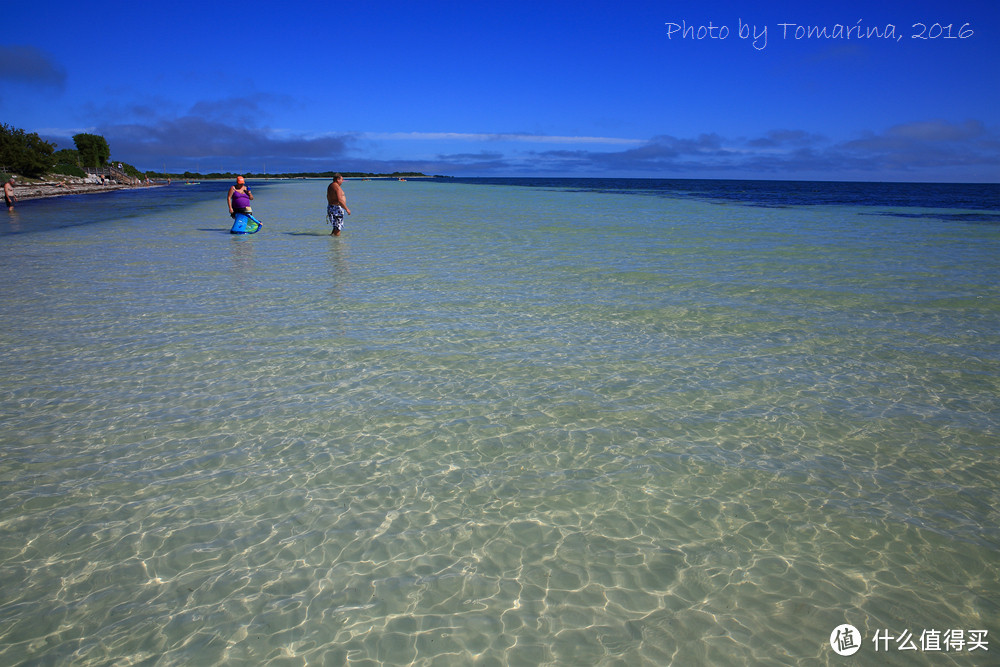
(8, 194)
(336, 204)
(239, 198)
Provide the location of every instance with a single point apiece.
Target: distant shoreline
(69, 185)
(327, 178)
(291, 176)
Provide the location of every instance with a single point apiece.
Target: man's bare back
(8, 194)
(336, 204)
(335, 195)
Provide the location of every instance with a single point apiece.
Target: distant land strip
(191, 175)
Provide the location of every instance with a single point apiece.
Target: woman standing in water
(239, 198)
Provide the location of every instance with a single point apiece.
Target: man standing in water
(8, 194)
(336, 204)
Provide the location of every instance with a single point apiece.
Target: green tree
(93, 149)
(67, 163)
(23, 153)
(66, 156)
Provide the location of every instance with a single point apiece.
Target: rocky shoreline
(68, 186)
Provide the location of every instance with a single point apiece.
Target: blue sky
(469, 88)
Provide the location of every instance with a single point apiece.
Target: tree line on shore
(26, 154)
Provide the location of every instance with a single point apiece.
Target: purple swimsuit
(241, 200)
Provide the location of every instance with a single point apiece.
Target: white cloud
(501, 136)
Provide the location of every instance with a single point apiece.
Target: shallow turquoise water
(497, 425)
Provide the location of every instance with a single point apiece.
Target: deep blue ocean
(976, 197)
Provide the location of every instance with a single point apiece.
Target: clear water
(494, 425)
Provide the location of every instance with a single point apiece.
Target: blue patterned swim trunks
(335, 216)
